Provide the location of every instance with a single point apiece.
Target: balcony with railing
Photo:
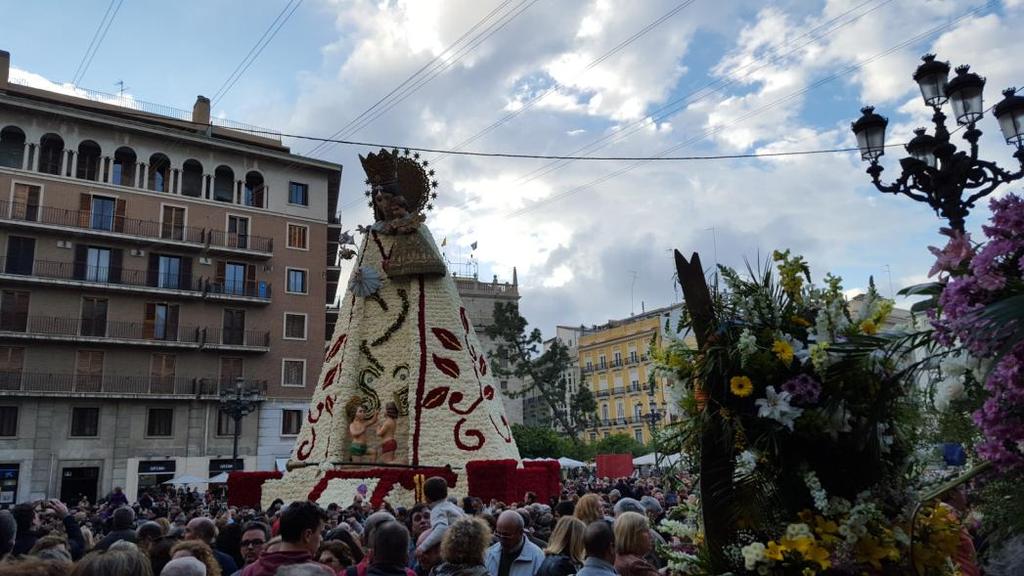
(116, 278)
(99, 331)
(240, 340)
(97, 224)
(116, 385)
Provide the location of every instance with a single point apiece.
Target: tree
(517, 353)
(537, 442)
(619, 444)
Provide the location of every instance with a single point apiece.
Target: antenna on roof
(121, 88)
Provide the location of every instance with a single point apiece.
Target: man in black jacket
(390, 542)
(28, 523)
(205, 530)
(122, 528)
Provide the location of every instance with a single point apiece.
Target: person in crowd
(123, 524)
(599, 544)
(113, 562)
(614, 495)
(463, 548)
(52, 547)
(343, 534)
(229, 537)
(27, 521)
(528, 528)
(148, 533)
(8, 533)
(184, 566)
(335, 554)
(632, 544)
(254, 537)
(442, 512)
(389, 558)
(564, 553)
(588, 509)
(632, 505)
(373, 521)
(564, 508)
(205, 531)
(418, 522)
(201, 551)
(117, 498)
(513, 554)
(160, 552)
(28, 566)
(300, 527)
(430, 557)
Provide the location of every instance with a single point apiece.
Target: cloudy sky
(591, 240)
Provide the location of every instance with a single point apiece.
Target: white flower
(752, 554)
(746, 462)
(948, 390)
(839, 421)
(747, 345)
(775, 405)
(800, 530)
(818, 493)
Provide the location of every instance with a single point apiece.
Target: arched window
(159, 173)
(124, 167)
(51, 152)
(253, 191)
(192, 178)
(88, 161)
(12, 147)
(223, 184)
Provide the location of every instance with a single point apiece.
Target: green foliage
(618, 444)
(538, 442)
(517, 353)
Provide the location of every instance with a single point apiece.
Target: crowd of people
(596, 527)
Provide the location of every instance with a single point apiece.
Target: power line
(224, 86)
(618, 48)
(88, 57)
(415, 74)
(95, 35)
(441, 68)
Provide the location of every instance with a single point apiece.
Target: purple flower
(804, 389)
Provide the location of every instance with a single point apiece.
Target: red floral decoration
(387, 479)
(246, 488)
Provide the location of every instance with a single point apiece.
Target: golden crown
(401, 173)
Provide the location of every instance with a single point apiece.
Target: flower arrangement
(818, 407)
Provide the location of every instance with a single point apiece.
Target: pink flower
(954, 255)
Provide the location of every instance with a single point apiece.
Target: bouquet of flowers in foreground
(821, 417)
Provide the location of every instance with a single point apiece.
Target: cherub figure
(359, 422)
(386, 433)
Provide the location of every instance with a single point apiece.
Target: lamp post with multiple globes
(936, 172)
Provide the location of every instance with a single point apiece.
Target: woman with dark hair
(335, 554)
(346, 537)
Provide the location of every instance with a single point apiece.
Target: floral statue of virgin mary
(404, 381)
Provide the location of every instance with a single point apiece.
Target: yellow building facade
(615, 363)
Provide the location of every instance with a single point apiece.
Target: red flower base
(485, 479)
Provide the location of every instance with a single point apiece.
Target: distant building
(149, 261)
(615, 363)
(536, 411)
(479, 299)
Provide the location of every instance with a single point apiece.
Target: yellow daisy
(784, 351)
(741, 386)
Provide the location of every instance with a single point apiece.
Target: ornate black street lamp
(936, 173)
(238, 404)
(654, 416)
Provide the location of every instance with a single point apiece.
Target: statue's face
(360, 413)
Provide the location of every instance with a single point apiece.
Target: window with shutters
(85, 421)
(14, 310)
(168, 271)
(293, 373)
(234, 327)
(291, 422)
(97, 264)
(620, 410)
(234, 278)
(12, 362)
(8, 421)
(102, 211)
(604, 413)
(294, 326)
(89, 371)
(230, 372)
(238, 232)
(161, 373)
(296, 281)
(298, 236)
(21, 254)
(26, 202)
(94, 316)
(638, 410)
(225, 424)
(172, 223)
(161, 322)
(160, 422)
(638, 435)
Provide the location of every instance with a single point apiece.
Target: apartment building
(615, 362)
(151, 262)
(479, 299)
